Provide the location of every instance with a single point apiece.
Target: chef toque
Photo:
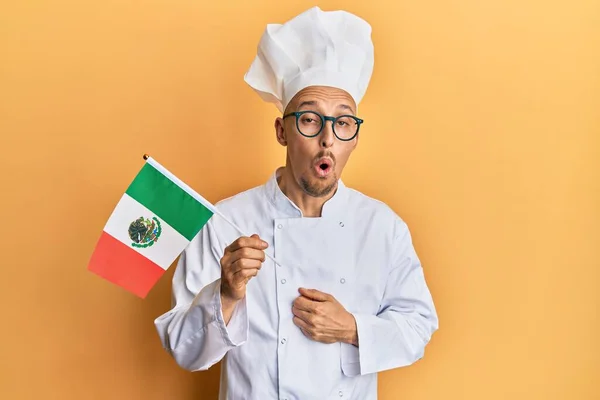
(325, 48)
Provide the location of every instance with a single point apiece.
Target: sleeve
(193, 332)
(406, 319)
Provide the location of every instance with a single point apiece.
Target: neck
(309, 205)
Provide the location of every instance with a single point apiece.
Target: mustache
(322, 154)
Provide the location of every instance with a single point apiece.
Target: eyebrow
(307, 103)
(346, 107)
(313, 103)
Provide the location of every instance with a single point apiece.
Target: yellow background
(482, 131)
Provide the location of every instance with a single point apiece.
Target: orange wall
(482, 132)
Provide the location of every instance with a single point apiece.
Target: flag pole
(243, 234)
(147, 156)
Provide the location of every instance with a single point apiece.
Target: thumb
(262, 242)
(314, 294)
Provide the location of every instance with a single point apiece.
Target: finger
(244, 275)
(314, 294)
(304, 316)
(304, 327)
(243, 264)
(253, 241)
(246, 252)
(304, 304)
(307, 334)
(250, 276)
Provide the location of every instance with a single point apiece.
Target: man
(348, 297)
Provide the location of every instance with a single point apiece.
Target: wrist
(227, 306)
(227, 302)
(351, 336)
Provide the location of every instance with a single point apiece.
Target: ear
(280, 131)
(355, 141)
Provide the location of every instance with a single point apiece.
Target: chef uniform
(359, 251)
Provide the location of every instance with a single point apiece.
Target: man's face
(316, 163)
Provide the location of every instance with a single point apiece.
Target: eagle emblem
(144, 232)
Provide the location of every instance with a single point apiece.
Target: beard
(317, 187)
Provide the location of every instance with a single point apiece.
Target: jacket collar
(334, 207)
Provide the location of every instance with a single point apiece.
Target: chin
(316, 187)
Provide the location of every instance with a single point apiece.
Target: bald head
(325, 99)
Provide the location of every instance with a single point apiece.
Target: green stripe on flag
(170, 203)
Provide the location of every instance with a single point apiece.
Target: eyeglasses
(311, 123)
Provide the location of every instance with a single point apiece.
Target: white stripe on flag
(167, 247)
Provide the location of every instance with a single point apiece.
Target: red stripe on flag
(123, 266)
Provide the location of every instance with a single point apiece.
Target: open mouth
(323, 167)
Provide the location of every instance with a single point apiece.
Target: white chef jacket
(359, 251)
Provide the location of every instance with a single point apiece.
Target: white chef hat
(332, 48)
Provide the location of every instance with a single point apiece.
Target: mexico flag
(153, 222)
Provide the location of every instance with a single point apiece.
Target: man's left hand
(323, 319)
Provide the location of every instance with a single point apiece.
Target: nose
(327, 135)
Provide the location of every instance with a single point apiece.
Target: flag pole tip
(146, 156)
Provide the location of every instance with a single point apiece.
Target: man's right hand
(241, 262)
